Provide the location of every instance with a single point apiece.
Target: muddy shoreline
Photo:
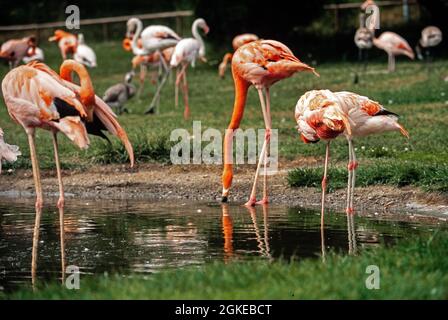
(158, 182)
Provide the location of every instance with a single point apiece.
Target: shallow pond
(146, 237)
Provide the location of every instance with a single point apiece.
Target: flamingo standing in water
(185, 53)
(37, 97)
(153, 38)
(237, 42)
(7, 152)
(322, 114)
(394, 45)
(67, 42)
(261, 64)
(15, 50)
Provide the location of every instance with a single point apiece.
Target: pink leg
(185, 91)
(61, 200)
(352, 164)
(176, 88)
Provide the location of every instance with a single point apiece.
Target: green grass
(419, 96)
(413, 269)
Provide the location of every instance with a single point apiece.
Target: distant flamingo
(34, 54)
(15, 50)
(431, 37)
(322, 114)
(84, 54)
(37, 97)
(364, 41)
(7, 152)
(67, 42)
(153, 38)
(185, 53)
(261, 64)
(237, 42)
(394, 45)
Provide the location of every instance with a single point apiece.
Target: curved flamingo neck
(241, 89)
(196, 34)
(87, 93)
(134, 44)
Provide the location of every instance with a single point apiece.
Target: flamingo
(394, 45)
(152, 60)
(237, 42)
(153, 38)
(15, 50)
(117, 95)
(36, 54)
(67, 42)
(261, 64)
(7, 152)
(37, 97)
(84, 54)
(322, 114)
(185, 53)
(364, 41)
(431, 37)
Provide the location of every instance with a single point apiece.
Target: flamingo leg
(352, 184)
(35, 247)
(391, 62)
(36, 171)
(157, 94)
(62, 239)
(185, 91)
(352, 247)
(58, 170)
(267, 119)
(324, 182)
(351, 167)
(142, 77)
(176, 89)
(252, 199)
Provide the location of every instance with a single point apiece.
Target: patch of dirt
(203, 183)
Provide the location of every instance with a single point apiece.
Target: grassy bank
(414, 269)
(419, 96)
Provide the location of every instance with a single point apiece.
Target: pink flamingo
(67, 42)
(237, 42)
(185, 53)
(394, 45)
(322, 114)
(261, 64)
(15, 50)
(37, 97)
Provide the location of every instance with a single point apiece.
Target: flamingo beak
(206, 29)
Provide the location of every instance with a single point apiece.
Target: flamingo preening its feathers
(431, 37)
(261, 64)
(322, 114)
(67, 42)
(15, 50)
(38, 97)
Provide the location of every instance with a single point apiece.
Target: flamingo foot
(350, 211)
(251, 203)
(263, 201)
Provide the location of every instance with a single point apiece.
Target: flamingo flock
(38, 97)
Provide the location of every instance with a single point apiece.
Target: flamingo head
(203, 25)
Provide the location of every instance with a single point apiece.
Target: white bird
(186, 52)
(431, 37)
(7, 152)
(37, 56)
(84, 54)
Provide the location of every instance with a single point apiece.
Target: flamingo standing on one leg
(37, 97)
(7, 152)
(394, 45)
(67, 42)
(261, 64)
(185, 53)
(322, 114)
(237, 42)
(153, 38)
(15, 50)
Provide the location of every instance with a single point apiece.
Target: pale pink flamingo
(7, 152)
(237, 42)
(186, 52)
(322, 114)
(37, 97)
(261, 64)
(67, 42)
(431, 37)
(84, 54)
(394, 45)
(153, 38)
(15, 50)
